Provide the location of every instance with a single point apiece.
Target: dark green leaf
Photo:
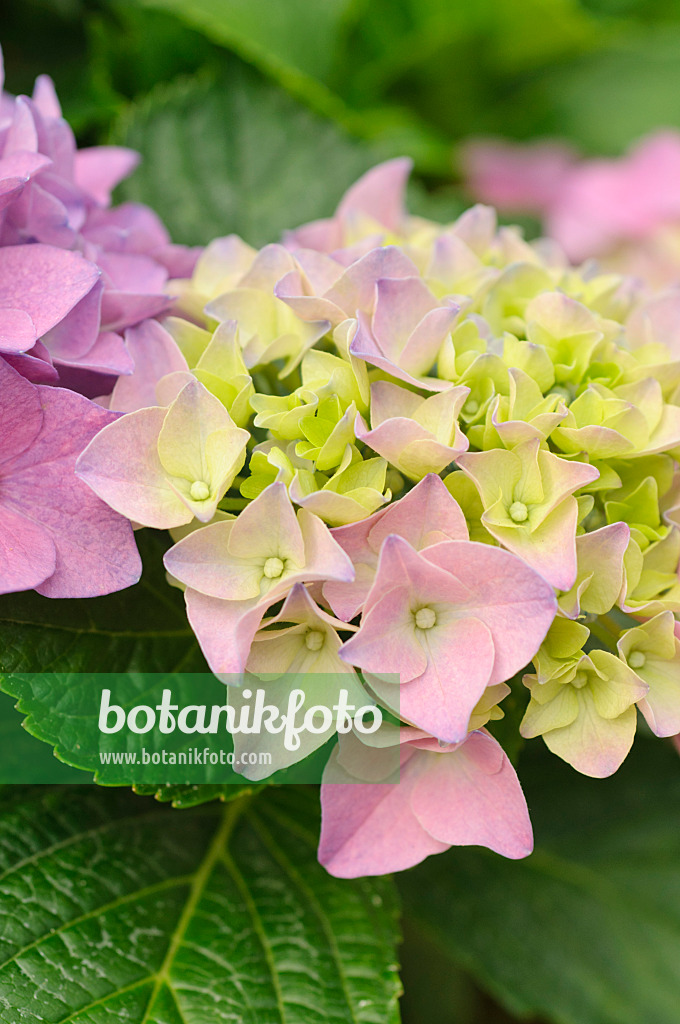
(112, 909)
(141, 629)
(284, 35)
(55, 658)
(587, 929)
(301, 45)
(23, 758)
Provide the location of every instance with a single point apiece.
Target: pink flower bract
(448, 621)
(55, 534)
(466, 794)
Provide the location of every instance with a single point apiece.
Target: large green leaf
(626, 84)
(587, 929)
(112, 909)
(304, 46)
(23, 758)
(237, 155)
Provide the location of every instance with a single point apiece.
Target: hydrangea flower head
(439, 461)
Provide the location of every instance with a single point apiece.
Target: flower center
(199, 490)
(425, 618)
(314, 640)
(471, 407)
(637, 659)
(273, 568)
(579, 680)
(518, 512)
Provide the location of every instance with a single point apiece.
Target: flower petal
(122, 466)
(472, 797)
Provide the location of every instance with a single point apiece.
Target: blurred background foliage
(278, 85)
(255, 115)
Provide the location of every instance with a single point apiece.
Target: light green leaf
(238, 155)
(587, 929)
(112, 909)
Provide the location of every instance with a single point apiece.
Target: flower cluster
(74, 276)
(416, 458)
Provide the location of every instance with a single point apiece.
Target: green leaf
(281, 35)
(23, 758)
(302, 45)
(237, 155)
(142, 629)
(192, 796)
(57, 656)
(64, 711)
(112, 909)
(587, 929)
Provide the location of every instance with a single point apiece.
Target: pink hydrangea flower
(517, 177)
(406, 331)
(527, 494)
(55, 534)
(448, 622)
(652, 650)
(162, 467)
(426, 515)
(376, 200)
(236, 570)
(588, 206)
(301, 654)
(156, 355)
(321, 288)
(307, 641)
(605, 201)
(418, 436)
(27, 312)
(455, 795)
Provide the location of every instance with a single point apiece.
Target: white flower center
(314, 640)
(425, 618)
(471, 407)
(518, 512)
(579, 680)
(273, 568)
(637, 659)
(199, 490)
